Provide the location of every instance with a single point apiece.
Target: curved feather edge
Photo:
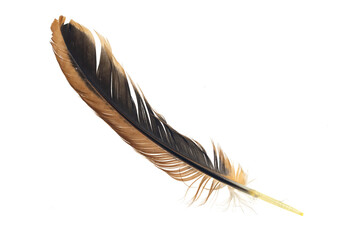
(181, 158)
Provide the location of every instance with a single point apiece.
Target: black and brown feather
(106, 89)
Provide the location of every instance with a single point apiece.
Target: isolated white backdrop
(276, 83)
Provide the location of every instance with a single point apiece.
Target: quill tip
(275, 202)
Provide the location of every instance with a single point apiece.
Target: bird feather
(106, 88)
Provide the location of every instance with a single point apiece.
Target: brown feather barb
(106, 89)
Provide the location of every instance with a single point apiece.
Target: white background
(276, 83)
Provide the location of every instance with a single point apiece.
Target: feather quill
(106, 89)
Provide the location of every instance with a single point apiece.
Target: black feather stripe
(113, 85)
(104, 76)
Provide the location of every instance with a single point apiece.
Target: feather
(106, 88)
